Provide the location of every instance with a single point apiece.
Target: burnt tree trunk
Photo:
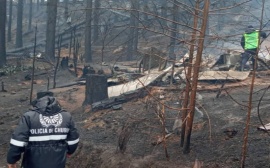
(96, 88)
(3, 4)
(88, 30)
(66, 9)
(164, 13)
(50, 31)
(174, 29)
(145, 9)
(195, 75)
(96, 20)
(33, 66)
(37, 5)
(75, 53)
(70, 43)
(30, 15)
(58, 60)
(10, 19)
(136, 28)
(133, 35)
(19, 42)
(188, 76)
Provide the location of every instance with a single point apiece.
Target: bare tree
(145, 9)
(88, 31)
(189, 73)
(10, 19)
(136, 28)
(107, 28)
(33, 66)
(164, 11)
(3, 5)
(37, 5)
(50, 30)
(19, 41)
(66, 9)
(30, 15)
(195, 76)
(96, 20)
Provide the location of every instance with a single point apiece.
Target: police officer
(46, 135)
(250, 43)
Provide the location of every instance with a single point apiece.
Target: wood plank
(223, 75)
(138, 83)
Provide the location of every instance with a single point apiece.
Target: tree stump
(96, 88)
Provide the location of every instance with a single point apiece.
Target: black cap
(250, 26)
(43, 94)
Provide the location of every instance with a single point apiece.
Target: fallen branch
(72, 84)
(161, 139)
(40, 43)
(220, 90)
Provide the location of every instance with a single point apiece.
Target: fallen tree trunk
(113, 101)
(28, 32)
(15, 54)
(42, 42)
(26, 47)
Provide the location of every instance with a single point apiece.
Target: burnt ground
(138, 122)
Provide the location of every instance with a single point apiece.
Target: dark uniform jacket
(45, 135)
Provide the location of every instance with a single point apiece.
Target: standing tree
(195, 75)
(66, 9)
(30, 15)
(50, 31)
(96, 20)
(164, 12)
(37, 5)
(174, 30)
(19, 42)
(88, 31)
(133, 34)
(221, 18)
(189, 72)
(145, 10)
(3, 5)
(136, 28)
(10, 20)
